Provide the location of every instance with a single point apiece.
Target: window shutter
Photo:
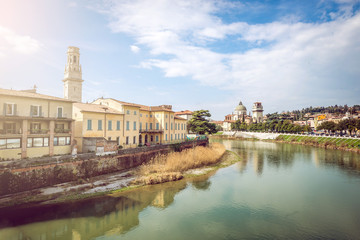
(15, 112)
(4, 110)
(40, 111)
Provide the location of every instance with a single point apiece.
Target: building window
(140, 126)
(127, 125)
(182, 126)
(59, 112)
(61, 141)
(134, 140)
(166, 126)
(135, 113)
(166, 115)
(151, 115)
(157, 126)
(127, 140)
(128, 112)
(134, 125)
(146, 126)
(10, 143)
(157, 115)
(171, 136)
(99, 125)
(117, 125)
(171, 126)
(9, 109)
(157, 138)
(37, 142)
(151, 138)
(175, 136)
(89, 124)
(109, 138)
(150, 126)
(109, 125)
(165, 137)
(140, 114)
(176, 126)
(35, 111)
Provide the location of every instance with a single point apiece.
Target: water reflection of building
(90, 219)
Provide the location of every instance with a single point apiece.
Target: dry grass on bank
(170, 167)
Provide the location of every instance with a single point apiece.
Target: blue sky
(193, 54)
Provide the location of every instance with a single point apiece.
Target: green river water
(278, 191)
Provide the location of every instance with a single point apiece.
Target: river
(278, 191)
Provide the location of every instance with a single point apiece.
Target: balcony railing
(13, 114)
(151, 130)
(10, 131)
(38, 115)
(64, 115)
(60, 130)
(39, 131)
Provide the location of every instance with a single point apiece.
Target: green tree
(200, 124)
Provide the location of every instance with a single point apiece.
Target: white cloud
(72, 4)
(306, 59)
(18, 43)
(134, 49)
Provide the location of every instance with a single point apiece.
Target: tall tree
(200, 124)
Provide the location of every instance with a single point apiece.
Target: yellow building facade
(146, 125)
(34, 125)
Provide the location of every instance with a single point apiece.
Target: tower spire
(73, 75)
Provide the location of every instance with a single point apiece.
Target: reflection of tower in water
(258, 163)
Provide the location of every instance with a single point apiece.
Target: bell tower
(73, 75)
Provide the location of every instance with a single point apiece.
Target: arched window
(74, 59)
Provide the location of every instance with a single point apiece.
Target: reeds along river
(278, 191)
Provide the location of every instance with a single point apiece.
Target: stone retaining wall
(17, 179)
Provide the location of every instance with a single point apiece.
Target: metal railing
(61, 130)
(39, 131)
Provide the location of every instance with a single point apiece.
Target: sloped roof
(180, 118)
(186, 112)
(144, 107)
(28, 94)
(88, 107)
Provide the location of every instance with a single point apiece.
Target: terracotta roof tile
(143, 107)
(88, 107)
(180, 118)
(27, 94)
(186, 112)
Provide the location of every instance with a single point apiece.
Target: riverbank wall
(254, 135)
(329, 142)
(16, 178)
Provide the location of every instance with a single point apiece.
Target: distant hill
(300, 114)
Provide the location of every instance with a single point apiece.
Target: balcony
(61, 116)
(38, 115)
(10, 131)
(39, 131)
(151, 130)
(61, 130)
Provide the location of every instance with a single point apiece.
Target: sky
(191, 54)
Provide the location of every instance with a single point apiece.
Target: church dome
(240, 107)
